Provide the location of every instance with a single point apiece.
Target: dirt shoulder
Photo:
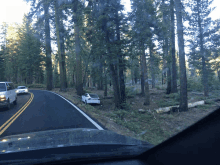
(148, 125)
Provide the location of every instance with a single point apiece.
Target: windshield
(21, 87)
(2, 87)
(94, 96)
(151, 72)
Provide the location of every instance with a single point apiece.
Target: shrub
(121, 114)
(36, 86)
(32, 85)
(174, 96)
(214, 84)
(130, 92)
(194, 84)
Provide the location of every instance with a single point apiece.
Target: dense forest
(95, 43)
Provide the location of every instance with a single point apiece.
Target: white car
(22, 89)
(90, 98)
(8, 94)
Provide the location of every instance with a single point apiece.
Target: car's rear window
(94, 96)
(21, 87)
(2, 87)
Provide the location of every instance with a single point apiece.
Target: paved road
(7, 114)
(47, 111)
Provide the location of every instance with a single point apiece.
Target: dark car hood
(63, 138)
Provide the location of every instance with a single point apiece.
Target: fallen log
(190, 105)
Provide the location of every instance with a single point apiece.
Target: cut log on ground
(190, 105)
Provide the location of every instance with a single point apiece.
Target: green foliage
(32, 85)
(204, 107)
(36, 86)
(214, 84)
(170, 100)
(121, 114)
(194, 85)
(130, 92)
(173, 96)
(167, 103)
(209, 102)
(126, 106)
(22, 54)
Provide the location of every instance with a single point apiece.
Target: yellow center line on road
(15, 116)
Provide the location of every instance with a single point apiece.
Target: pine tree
(60, 43)
(36, 11)
(200, 24)
(183, 80)
(143, 18)
(172, 31)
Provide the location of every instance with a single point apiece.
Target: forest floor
(149, 125)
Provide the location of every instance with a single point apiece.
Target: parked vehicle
(8, 94)
(22, 89)
(90, 98)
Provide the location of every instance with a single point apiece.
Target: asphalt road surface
(40, 111)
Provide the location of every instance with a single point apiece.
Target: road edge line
(84, 114)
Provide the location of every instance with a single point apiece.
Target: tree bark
(105, 86)
(142, 75)
(145, 77)
(86, 69)
(174, 69)
(218, 71)
(168, 90)
(121, 62)
(117, 98)
(100, 81)
(49, 71)
(152, 65)
(204, 69)
(79, 81)
(61, 51)
(183, 80)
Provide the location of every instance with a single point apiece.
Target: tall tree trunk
(152, 65)
(168, 90)
(73, 79)
(164, 81)
(86, 69)
(105, 86)
(63, 57)
(117, 98)
(49, 71)
(113, 66)
(183, 80)
(218, 71)
(204, 69)
(100, 81)
(174, 69)
(165, 20)
(121, 62)
(61, 51)
(142, 74)
(145, 77)
(79, 83)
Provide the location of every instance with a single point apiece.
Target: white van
(8, 94)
